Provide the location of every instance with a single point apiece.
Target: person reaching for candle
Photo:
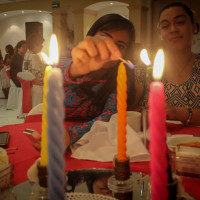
(182, 67)
(90, 73)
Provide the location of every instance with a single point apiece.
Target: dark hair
(20, 43)
(10, 49)
(1, 57)
(197, 25)
(34, 40)
(112, 22)
(7, 56)
(179, 4)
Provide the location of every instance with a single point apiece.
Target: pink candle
(157, 128)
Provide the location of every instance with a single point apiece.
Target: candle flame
(46, 58)
(158, 65)
(144, 57)
(53, 51)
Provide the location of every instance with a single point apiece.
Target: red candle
(121, 111)
(157, 128)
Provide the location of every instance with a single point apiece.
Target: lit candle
(56, 150)
(53, 52)
(44, 156)
(145, 59)
(157, 129)
(121, 111)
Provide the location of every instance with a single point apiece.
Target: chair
(31, 91)
(35, 114)
(14, 95)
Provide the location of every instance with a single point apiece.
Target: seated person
(32, 61)
(5, 81)
(1, 60)
(182, 67)
(90, 72)
(9, 52)
(17, 61)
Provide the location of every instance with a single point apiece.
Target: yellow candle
(121, 111)
(53, 60)
(44, 156)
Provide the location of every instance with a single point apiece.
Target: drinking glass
(145, 126)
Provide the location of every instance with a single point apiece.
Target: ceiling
(94, 7)
(9, 1)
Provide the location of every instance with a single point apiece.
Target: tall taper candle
(44, 156)
(56, 150)
(157, 128)
(121, 111)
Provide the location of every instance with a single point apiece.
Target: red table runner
(26, 155)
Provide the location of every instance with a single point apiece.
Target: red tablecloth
(26, 155)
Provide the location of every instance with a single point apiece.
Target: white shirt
(34, 64)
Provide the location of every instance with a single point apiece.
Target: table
(26, 155)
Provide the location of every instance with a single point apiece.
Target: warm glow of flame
(46, 58)
(144, 57)
(158, 66)
(53, 51)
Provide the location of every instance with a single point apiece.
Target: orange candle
(121, 110)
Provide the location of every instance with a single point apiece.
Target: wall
(158, 5)
(91, 16)
(13, 29)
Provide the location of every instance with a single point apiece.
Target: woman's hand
(171, 112)
(92, 53)
(37, 141)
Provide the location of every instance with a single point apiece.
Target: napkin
(100, 143)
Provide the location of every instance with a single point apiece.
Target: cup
(134, 120)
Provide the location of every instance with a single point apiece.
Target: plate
(174, 140)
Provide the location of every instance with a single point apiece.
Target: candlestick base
(121, 184)
(42, 175)
(122, 169)
(122, 190)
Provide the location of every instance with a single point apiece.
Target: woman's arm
(76, 132)
(182, 114)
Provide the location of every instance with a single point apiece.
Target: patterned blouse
(78, 105)
(34, 64)
(186, 94)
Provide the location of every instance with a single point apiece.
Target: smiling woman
(182, 67)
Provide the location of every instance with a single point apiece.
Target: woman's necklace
(175, 75)
(185, 67)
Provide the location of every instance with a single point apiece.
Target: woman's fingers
(80, 55)
(37, 145)
(112, 48)
(100, 46)
(88, 45)
(92, 53)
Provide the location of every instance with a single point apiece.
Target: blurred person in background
(17, 61)
(32, 60)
